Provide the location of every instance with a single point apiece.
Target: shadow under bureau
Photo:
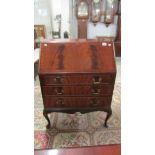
(77, 76)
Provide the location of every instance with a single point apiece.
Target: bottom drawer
(76, 102)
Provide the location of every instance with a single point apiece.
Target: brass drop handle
(60, 102)
(59, 91)
(58, 79)
(96, 91)
(94, 102)
(97, 80)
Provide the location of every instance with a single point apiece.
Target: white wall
(60, 7)
(72, 20)
(65, 15)
(45, 12)
(42, 15)
(100, 29)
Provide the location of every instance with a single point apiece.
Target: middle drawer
(78, 90)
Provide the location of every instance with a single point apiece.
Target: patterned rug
(74, 130)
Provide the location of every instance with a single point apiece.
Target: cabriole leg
(45, 113)
(109, 113)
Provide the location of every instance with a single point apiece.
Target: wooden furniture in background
(94, 11)
(82, 15)
(77, 76)
(92, 150)
(106, 39)
(82, 28)
(118, 36)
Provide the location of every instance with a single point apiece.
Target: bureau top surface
(76, 56)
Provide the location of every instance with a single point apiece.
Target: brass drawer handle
(96, 91)
(59, 91)
(58, 79)
(60, 102)
(97, 80)
(94, 102)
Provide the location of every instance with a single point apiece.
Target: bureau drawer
(76, 80)
(76, 102)
(95, 90)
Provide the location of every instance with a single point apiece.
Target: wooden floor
(95, 150)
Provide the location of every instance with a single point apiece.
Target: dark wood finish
(77, 75)
(65, 79)
(45, 113)
(36, 64)
(77, 57)
(76, 102)
(77, 7)
(82, 28)
(95, 150)
(118, 38)
(82, 21)
(87, 90)
(117, 48)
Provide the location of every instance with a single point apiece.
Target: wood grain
(86, 90)
(77, 76)
(77, 57)
(76, 102)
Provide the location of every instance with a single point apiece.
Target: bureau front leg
(45, 113)
(109, 113)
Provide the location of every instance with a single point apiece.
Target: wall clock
(110, 11)
(82, 13)
(96, 9)
(82, 10)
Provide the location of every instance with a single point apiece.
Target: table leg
(45, 113)
(109, 113)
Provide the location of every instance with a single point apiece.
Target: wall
(42, 15)
(60, 7)
(45, 12)
(72, 20)
(100, 29)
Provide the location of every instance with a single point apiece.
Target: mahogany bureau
(77, 76)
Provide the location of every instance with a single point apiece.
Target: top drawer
(76, 80)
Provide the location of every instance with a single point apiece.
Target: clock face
(83, 9)
(96, 1)
(110, 3)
